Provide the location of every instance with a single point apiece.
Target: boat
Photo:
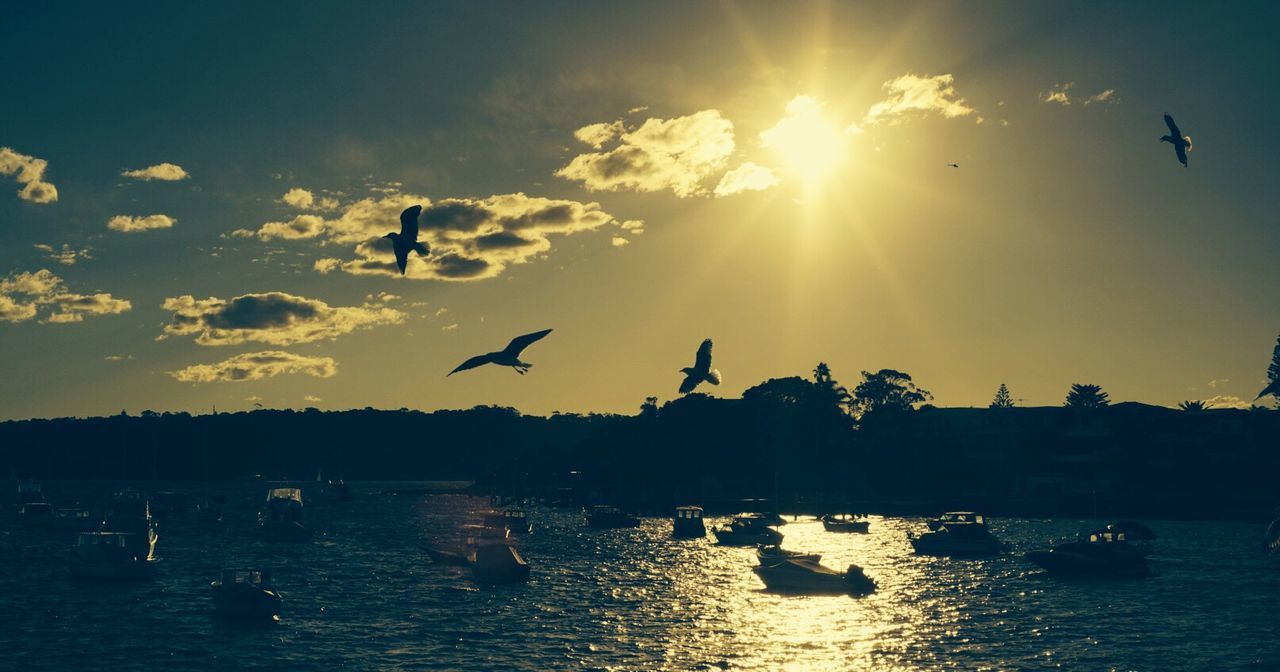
(447, 556)
(1133, 530)
(832, 523)
(110, 555)
(603, 516)
(36, 514)
(687, 523)
(747, 529)
(771, 554)
(1100, 554)
(72, 519)
(340, 491)
(958, 538)
(952, 517)
(28, 492)
(518, 521)
(492, 527)
(810, 578)
(498, 563)
(281, 518)
(130, 514)
(246, 594)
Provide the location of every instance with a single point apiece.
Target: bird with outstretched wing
(701, 370)
(1181, 143)
(508, 356)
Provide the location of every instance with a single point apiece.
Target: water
(363, 596)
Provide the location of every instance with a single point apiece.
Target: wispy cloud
(256, 366)
(915, 94)
(312, 399)
(634, 226)
(29, 171)
(1213, 384)
(1108, 97)
(162, 172)
(1060, 94)
(127, 224)
(275, 318)
(661, 154)
(747, 177)
(66, 256)
(619, 241)
(23, 296)
(117, 358)
(1226, 401)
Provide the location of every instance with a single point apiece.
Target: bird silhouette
(1181, 143)
(1273, 389)
(700, 371)
(954, 165)
(407, 240)
(508, 356)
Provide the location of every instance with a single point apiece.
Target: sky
(192, 199)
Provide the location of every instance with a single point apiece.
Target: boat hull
(1109, 565)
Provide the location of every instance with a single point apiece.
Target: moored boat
(811, 578)
(769, 554)
(687, 523)
(109, 555)
(958, 538)
(747, 529)
(954, 517)
(281, 518)
(246, 593)
(1100, 554)
(518, 521)
(832, 523)
(498, 563)
(130, 513)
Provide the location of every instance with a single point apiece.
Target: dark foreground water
(362, 595)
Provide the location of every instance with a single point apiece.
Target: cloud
(1218, 381)
(747, 177)
(298, 228)
(911, 93)
(1227, 401)
(305, 200)
(450, 327)
(661, 154)
(162, 172)
(1059, 94)
(29, 172)
(469, 238)
(25, 295)
(1108, 96)
(256, 366)
(619, 241)
(127, 224)
(117, 358)
(635, 226)
(67, 256)
(274, 318)
(312, 399)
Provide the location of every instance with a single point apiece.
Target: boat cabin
(962, 517)
(688, 522)
(245, 576)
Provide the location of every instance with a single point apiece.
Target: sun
(810, 145)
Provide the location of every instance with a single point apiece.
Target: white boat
(246, 594)
(810, 578)
(281, 518)
(109, 555)
(498, 563)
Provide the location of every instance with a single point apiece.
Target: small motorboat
(769, 554)
(957, 539)
(687, 523)
(1100, 554)
(492, 527)
(518, 521)
(603, 517)
(246, 594)
(498, 563)
(281, 518)
(810, 578)
(748, 529)
(832, 523)
(110, 555)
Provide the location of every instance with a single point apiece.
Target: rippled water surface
(363, 595)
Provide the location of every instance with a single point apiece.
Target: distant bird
(509, 356)
(1273, 389)
(954, 165)
(1181, 143)
(700, 371)
(407, 239)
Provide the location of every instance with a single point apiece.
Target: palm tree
(1193, 405)
(831, 391)
(1087, 397)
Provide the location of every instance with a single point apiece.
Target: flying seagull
(407, 239)
(1273, 389)
(509, 356)
(700, 371)
(1181, 143)
(954, 165)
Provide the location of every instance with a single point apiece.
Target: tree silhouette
(1002, 399)
(649, 407)
(1085, 396)
(829, 391)
(886, 390)
(1193, 405)
(1273, 375)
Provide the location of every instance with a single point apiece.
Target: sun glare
(810, 145)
